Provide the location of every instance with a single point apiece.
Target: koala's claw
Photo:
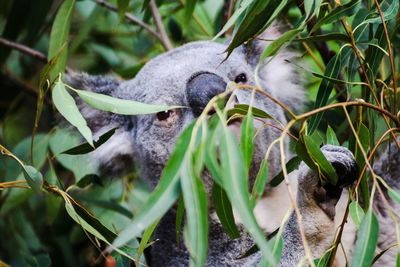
(346, 168)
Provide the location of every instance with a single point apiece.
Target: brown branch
(24, 49)
(166, 42)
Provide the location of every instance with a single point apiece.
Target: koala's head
(187, 76)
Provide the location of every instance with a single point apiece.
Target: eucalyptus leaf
(331, 138)
(196, 208)
(246, 136)
(356, 213)
(223, 208)
(338, 13)
(367, 238)
(86, 147)
(66, 105)
(59, 37)
(325, 167)
(33, 177)
(235, 185)
(120, 106)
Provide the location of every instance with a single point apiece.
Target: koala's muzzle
(201, 88)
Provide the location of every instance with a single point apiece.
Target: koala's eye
(241, 78)
(164, 115)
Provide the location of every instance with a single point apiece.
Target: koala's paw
(326, 196)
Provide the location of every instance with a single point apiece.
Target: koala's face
(188, 76)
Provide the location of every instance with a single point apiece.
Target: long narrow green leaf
(119, 106)
(223, 208)
(33, 177)
(367, 238)
(331, 138)
(274, 46)
(163, 196)
(311, 7)
(66, 105)
(236, 186)
(258, 16)
(332, 70)
(234, 17)
(246, 142)
(93, 226)
(243, 109)
(144, 242)
(338, 13)
(260, 182)
(189, 8)
(356, 213)
(86, 147)
(319, 159)
(196, 208)
(59, 37)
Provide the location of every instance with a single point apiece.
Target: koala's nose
(201, 88)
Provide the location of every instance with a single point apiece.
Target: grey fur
(148, 142)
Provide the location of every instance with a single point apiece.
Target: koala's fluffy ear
(278, 73)
(116, 155)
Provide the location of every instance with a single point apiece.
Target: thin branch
(166, 42)
(391, 58)
(24, 49)
(131, 18)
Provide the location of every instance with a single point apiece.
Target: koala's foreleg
(316, 204)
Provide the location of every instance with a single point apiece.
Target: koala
(190, 76)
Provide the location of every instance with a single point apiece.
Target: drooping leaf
(144, 242)
(196, 208)
(236, 187)
(367, 238)
(258, 16)
(260, 182)
(59, 37)
(332, 70)
(331, 138)
(356, 213)
(223, 208)
(246, 142)
(86, 147)
(33, 177)
(243, 109)
(275, 45)
(90, 223)
(66, 105)
(238, 12)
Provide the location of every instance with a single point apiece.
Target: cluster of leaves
(351, 49)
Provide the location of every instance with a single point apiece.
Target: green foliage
(52, 204)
